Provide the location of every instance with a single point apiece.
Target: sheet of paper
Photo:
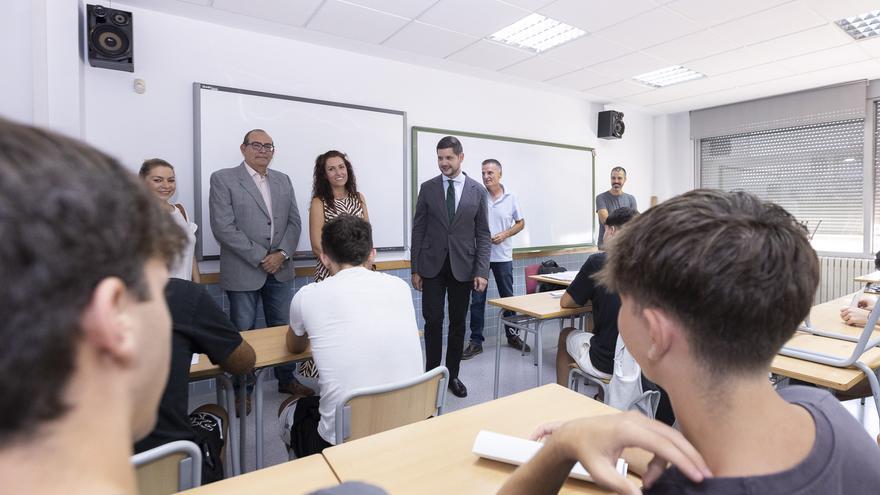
(557, 293)
(566, 276)
(195, 360)
(518, 451)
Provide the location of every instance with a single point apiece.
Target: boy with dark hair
(85, 329)
(353, 320)
(712, 284)
(199, 326)
(592, 351)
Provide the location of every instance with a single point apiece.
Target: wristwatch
(284, 253)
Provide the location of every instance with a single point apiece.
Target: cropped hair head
(70, 217)
(321, 187)
(150, 164)
(247, 135)
(347, 240)
(450, 142)
(620, 216)
(736, 272)
(492, 161)
(619, 169)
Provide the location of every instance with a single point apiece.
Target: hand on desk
(867, 302)
(856, 317)
(598, 442)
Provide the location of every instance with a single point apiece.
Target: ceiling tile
(733, 60)
(771, 23)
(404, 8)
(869, 46)
(691, 47)
(588, 50)
(530, 4)
(489, 55)
(428, 40)
(539, 68)
(478, 18)
(354, 22)
(619, 89)
(838, 9)
(832, 57)
(627, 66)
(582, 79)
(712, 12)
(650, 28)
(593, 15)
(292, 13)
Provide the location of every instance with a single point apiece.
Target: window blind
(813, 171)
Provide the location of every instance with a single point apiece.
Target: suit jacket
(466, 240)
(241, 223)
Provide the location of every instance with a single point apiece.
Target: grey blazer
(466, 240)
(240, 222)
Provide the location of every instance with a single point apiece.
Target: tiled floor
(517, 374)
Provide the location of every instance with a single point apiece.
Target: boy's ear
(661, 332)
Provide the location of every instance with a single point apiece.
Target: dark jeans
(503, 271)
(276, 297)
(434, 294)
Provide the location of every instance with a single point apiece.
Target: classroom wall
(673, 156)
(16, 85)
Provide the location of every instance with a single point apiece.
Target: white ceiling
(747, 48)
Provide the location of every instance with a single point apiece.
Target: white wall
(17, 82)
(674, 156)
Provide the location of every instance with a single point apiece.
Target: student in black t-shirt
(199, 326)
(712, 284)
(593, 352)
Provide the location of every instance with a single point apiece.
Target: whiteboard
(373, 138)
(552, 182)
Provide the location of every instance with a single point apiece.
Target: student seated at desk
(592, 351)
(712, 284)
(199, 326)
(85, 331)
(362, 328)
(857, 315)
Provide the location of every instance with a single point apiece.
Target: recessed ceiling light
(668, 76)
(862, 26)
(537, 33)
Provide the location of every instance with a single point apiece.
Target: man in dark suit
(256, 222)
(449, 254)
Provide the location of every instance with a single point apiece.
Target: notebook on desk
(563, 276)
(518, 451)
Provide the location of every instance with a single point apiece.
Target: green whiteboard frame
(414, 173)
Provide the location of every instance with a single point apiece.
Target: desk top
(550, 280)
(270, 346)
(870, 278)
(295, 477)
(826, 316)
(539, 305)
(434, 456)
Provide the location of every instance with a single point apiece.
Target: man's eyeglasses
(256, 146)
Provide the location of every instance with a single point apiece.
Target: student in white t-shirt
(362, 328)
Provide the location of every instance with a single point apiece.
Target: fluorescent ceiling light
(537, 33)
(862, 26)
(668, 76)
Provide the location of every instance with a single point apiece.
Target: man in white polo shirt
(505, 221)
(362, 328)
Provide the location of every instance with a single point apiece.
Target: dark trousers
(434, 293)
(503, 271)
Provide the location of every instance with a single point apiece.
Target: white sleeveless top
(183, 268)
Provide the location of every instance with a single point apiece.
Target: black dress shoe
(518, 344)
(458, 389)
(471, 350)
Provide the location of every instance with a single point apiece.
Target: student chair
(169, 468)
(370, 410)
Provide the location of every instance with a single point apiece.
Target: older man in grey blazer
(255, 219)
(449, 254)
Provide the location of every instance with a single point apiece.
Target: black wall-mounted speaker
(110, 38)
(611, 125)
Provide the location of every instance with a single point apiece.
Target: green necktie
(450, 200)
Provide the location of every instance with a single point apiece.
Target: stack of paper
(564, 276)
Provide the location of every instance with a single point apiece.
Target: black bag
(547, 267)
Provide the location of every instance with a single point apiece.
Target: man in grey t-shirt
(613, 199)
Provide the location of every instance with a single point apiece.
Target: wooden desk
(550, 280)
(870, 278)
(290, 478)
(434, 456)
(540, 307)
(270, 347)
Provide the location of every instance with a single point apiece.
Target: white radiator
(836, 276)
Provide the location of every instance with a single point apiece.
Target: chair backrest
(169, 468)
(370, 410)
(532, 284)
